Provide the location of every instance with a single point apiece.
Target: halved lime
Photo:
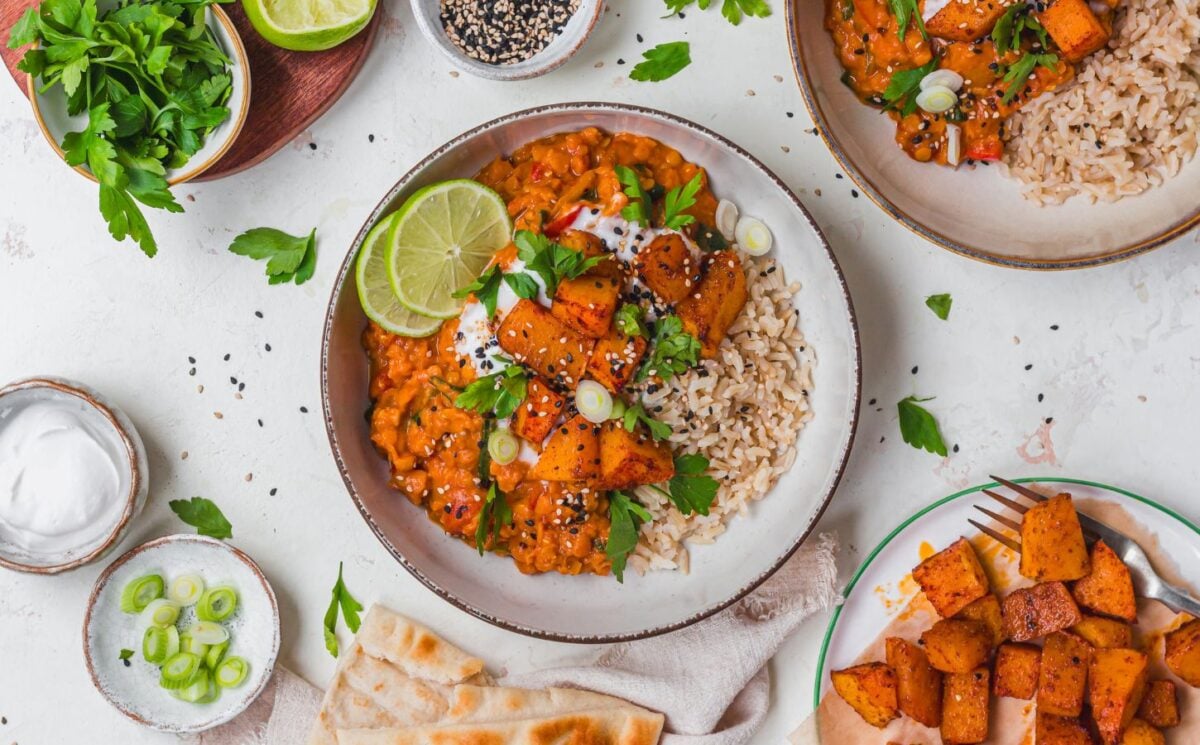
(308, 25)
(375, 289)
(443, 237)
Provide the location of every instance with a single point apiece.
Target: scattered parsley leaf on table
(733, 10)
(637, 413)
(204, 516)
(494, 515)
(289, 258)
(940, 305)
(918, 427)
(662, 61)
(126, 654)
(625, 517)
(691, 489)
(350, 609)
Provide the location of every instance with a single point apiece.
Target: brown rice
(742, 410)
(1130, 120)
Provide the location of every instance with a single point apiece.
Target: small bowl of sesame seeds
(507, 39)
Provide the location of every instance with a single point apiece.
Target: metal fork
(1146, 581)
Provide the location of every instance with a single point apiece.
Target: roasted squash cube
(1017, 669)
(965, 707)
(986, 610)
(1062, 682)
(1055, 730)
(1160, 705)
(533, 336)
(1142, 733)
(572, 453)
(919, 686)
(870, 690)
(629, 459)
(952, 579)
(666, 266)
(1052, 546)
(1034, 612)
(1104, 633)
(1108, 590)
(1116, 685)
(587, 304)
(1074, 28)
(957, 646)
(712, 307)
(966, 20)
(590, 244)
(615, 359)
(536, 415)
(1183, 652)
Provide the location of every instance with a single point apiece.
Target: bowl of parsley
(136, 96)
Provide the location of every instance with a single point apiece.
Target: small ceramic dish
(557, 52)
(978, 213)
(128, 451)
(50, 108)
(134, 688)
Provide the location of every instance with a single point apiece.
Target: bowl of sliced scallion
(181, 633)
(136, 95)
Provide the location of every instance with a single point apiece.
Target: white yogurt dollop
(62, 477)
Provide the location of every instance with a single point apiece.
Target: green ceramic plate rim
(837, 614)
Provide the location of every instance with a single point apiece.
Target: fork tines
(1022, 490)
(996, 535)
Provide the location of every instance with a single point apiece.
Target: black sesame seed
(303, 409)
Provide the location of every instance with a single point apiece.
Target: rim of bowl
(346, 273)
(131, 453)
(876, 195)
(106, 575)
(237, 121)
(437, 36)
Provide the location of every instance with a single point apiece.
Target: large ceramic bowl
(50, 107)
(590, 608)
(978, 213)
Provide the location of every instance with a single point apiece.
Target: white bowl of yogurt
(73, 475)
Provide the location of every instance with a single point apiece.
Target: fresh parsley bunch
(153, 83)
(672, 352)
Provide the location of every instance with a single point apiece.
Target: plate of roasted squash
(949, 636)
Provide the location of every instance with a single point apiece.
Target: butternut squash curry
(517, 424)
(950, 72)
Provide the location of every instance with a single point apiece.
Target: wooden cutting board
(288, 90)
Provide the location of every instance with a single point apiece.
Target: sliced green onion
(208, 632)
(216, 604)
(214, 691)
(216, 653)
(155, 645)
(160, 612)
(186, 590)
(503, 446)
(192, 646)
(196, 688)
(232, 672)
(618, 409)
(178, 671)
(138, 593)
(593, 401)
(172, 642)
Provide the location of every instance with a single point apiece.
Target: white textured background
(1119, 376)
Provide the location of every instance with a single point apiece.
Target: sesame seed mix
(504, 32)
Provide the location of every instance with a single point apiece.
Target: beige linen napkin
(710, 679)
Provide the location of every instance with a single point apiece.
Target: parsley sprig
(290, 258)
(494, 515)
(918, 427)
(672, 351)
(906, 11)
(203, 515)
(153, 83)
(902, 89)
(1017, 75)
(350, 609)
(498, 394)
(628, 320)
(678, 200)
(1006, 34)
(691, 489)
(625, 518)
(733, 10)
(662, 61)
(551, 261)
(637, 414)
(486, 287)
(638, 209)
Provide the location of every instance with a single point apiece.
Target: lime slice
(308, 25)
(375, 289)
(443, 237)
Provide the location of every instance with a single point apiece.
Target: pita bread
(395, 674)
(616, 726)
